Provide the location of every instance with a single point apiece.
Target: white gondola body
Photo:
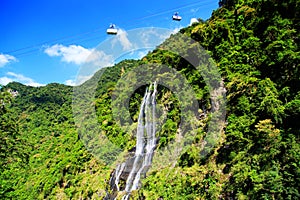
(176, 17)
(112, 31)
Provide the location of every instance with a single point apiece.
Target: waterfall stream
(138, 165)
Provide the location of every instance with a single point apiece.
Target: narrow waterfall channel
(136, 166)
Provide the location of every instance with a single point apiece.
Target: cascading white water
(139, 145)
(118, 172)
(151, 140)
(137, 166)
(145, 141)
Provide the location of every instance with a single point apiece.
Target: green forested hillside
(255, 45)
(46, 157)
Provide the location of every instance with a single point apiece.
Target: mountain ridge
(255, 45)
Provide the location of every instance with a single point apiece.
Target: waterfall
(151, 140)
(145, 145)
(119, 170)
(144, 152)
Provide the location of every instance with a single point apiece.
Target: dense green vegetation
(255, 45)
(45, 157)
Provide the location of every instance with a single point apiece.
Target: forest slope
(255, 45)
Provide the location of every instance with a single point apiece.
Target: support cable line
(90, 35)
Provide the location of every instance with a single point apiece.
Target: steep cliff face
(254, 44)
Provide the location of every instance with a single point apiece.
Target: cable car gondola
(112, 30)
(176, 17)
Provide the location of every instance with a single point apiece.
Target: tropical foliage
(255, 45)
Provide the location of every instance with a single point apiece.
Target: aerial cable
(36, 47)
(208, 2)
(51, 41)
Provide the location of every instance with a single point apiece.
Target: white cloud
(97, 60)
(100, 59)
(152, 37)
(70, 82)
(176, 30)
(193, 20)
(141, 54)
(123, 39)
(5, 59)
(81, 79)
(79, 55)
(71, 54)
(5, 80)
(91, 60)
(78, 81)
(10, 77)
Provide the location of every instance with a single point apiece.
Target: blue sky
(46, 41)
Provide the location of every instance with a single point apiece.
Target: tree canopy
(255, 45)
